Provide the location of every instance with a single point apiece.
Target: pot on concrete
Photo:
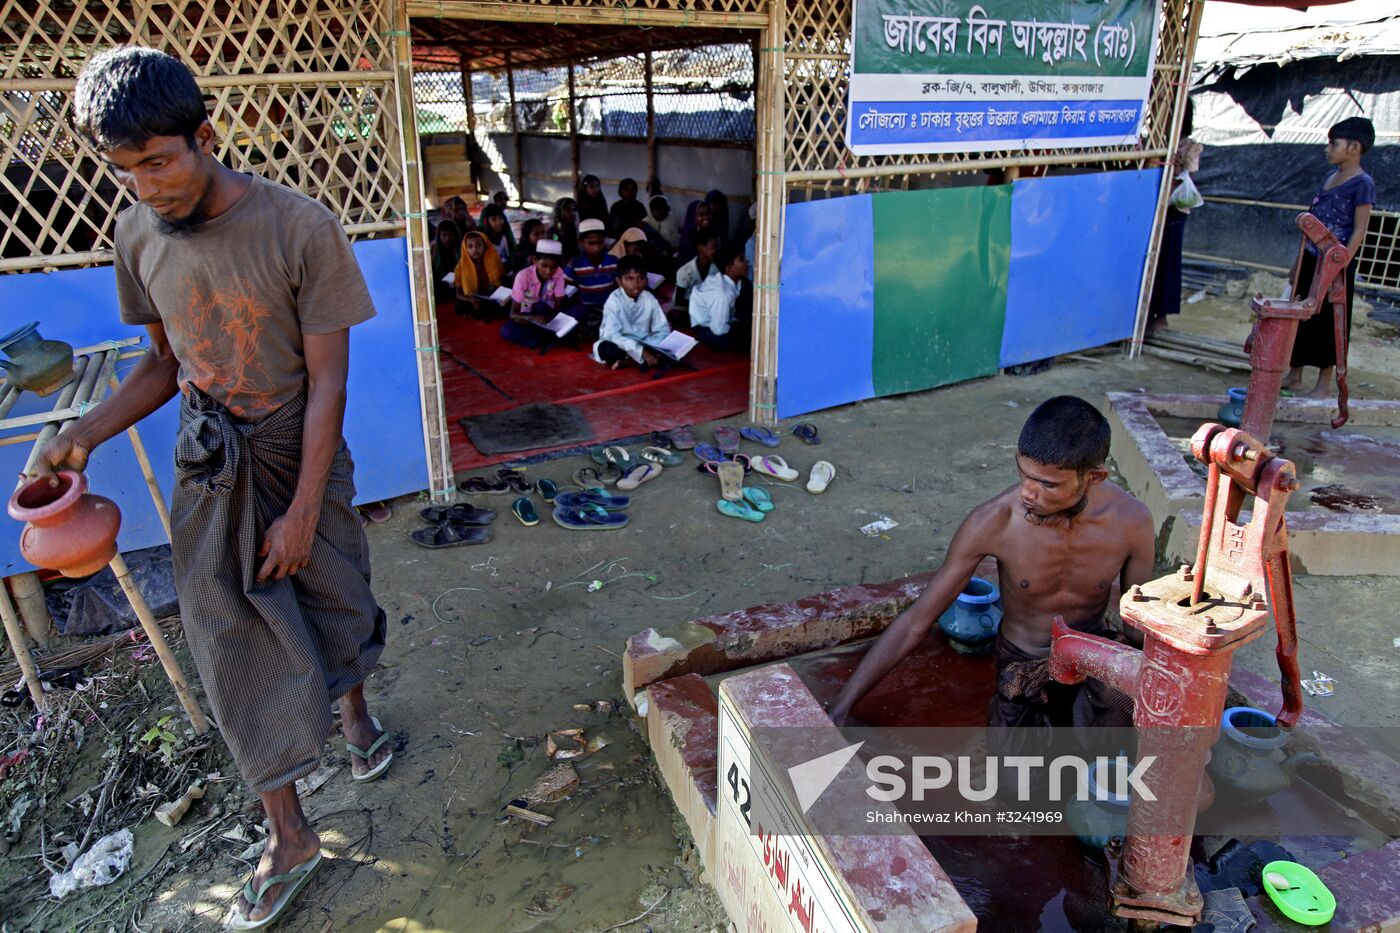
(972, 621)
(66, 528)
(1232, 411)
(1249, 759)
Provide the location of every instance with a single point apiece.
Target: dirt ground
(491, 647)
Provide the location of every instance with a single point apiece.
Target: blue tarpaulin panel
(383, 423)
(1078, 244)
(826, 328)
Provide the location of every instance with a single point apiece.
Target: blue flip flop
(759, 435)
(586, 497)
(710, 453)
(807, 432)
(547, 489)
(588, 517)
(758, 498)
(740, 509)
(524, 510)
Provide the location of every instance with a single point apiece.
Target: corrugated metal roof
(1324, 39)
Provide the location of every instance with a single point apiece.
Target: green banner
(1066, 38)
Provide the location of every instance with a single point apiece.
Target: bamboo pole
(33, 610)
(573, 130)
(771, 192)
(652, 173)
(471, 147)
(158, 642)
(495, 11)
(435, 438)
(1183, 91)
(15, 633)
(515, 133)
(138, 447)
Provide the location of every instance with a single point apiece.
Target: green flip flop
(758, 498)
(366, 754)
(739, 509)
(548, 489)
(293, 882)
(524, 510)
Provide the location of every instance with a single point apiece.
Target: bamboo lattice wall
(300, 92)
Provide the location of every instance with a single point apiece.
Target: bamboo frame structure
(772, 202)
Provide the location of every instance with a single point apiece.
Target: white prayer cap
(592, 225)
(548, 248)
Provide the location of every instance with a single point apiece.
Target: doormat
(527, 428)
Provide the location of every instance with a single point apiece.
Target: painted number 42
(734, 782)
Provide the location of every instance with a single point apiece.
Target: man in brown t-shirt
(247, 291)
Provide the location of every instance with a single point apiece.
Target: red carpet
(482, 373)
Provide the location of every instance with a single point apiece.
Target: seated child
(702, 267)
(531, 232)
(455, 210)
(663, 225)
(720, 307)
(565, 227)
(447, 251)
(497, 231)
(626, 211)
(479, 273)
(633, 321)
(634, 242)
(593, 271)
(535, 299)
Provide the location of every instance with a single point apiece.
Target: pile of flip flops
(752, 503)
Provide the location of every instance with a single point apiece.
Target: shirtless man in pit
(1061, 537)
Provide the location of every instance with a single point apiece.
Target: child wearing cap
(535, 299)
(1343, 204)
(593, 271)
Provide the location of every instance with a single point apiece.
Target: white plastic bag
(1185, 196)
(102, 864)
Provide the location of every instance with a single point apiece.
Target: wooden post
(29, 599)
(471, 145)
(15, 633)
(420, 280)
(771, 157)
(1182, 83)
(652, 173)
(573, 127)
(515, 134)
(158, 642)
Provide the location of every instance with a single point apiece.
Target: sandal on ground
(758, 498)
(618, 457)
(661, 455)
(524, 510)
(596, 453)
(514, 479)
(573, 500)
(292, 881)
(727, 440)
(480, 485)
(822, 475)
(739, 509)
(731, 480)
(775, 467)
(588, 517)
(683, 438)
(441, 536)
(709, 452)
(759, 435)
(745, 461)
(636, 475)
(459, 514)
(368, 753)
(548, 489)
(807, 432)
(377, 512)
(662, 439)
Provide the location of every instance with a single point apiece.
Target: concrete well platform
(1156, 470)
(706, 688)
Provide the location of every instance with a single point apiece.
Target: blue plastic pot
(972, 621)
(1232, 412)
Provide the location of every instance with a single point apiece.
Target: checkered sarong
(1027, 697)
(273, 656)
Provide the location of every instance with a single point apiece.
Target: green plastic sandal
(740, 509)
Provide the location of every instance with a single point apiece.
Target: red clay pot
(67, 528)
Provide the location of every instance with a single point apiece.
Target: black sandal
(807, 432)
(442, 536)
(460, 514)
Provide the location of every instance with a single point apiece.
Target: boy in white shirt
(633, 321)
(717, 308)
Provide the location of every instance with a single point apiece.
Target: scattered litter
(686, 596)
(1198, 296)
(253, 851)
(316, 780)
(882, 523)
(98, 866)
(455, 589)
(766, 569)
(595, 586)
(236, 834)
(639, 703)
(583, 707)
(596, 743)
(173, 812)
(1012, 404)
(1321, 685)
(539, 819)
(438, 641)
(604, 706)
(566, 743)
(553, 786)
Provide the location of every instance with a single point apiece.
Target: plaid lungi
(1027, 697)
(273, 656)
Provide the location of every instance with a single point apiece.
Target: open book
(502, 295)
(561, 324)
(654, 280)
(450, 278)
(676, 344)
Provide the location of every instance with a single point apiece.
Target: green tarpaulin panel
(942, 260)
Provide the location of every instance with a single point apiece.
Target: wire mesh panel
(300, 93)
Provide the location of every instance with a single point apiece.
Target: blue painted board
(826, 324)
(383, 422)
(1078, 244)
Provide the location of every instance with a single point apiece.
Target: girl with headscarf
(496, 229)
(447, 250)
(626, 211)
(635, 242)
(479, 273)
(698, 216)
(565, 228)
(591, 203)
